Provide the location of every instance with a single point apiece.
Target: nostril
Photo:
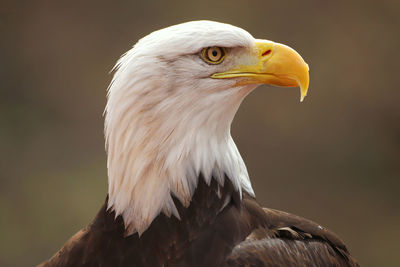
(266, 52)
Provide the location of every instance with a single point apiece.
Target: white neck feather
(161, 133)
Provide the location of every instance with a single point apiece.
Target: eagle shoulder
(284, 239)
(64, 256)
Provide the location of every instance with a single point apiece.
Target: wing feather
(285, 239)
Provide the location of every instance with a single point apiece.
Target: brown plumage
(211, 232)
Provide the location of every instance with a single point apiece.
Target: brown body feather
(217, 229)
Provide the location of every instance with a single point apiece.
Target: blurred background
(334, 159)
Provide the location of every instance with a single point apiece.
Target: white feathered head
(169, 111)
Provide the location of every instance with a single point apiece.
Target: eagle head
(169, 111)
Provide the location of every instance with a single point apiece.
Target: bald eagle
(179, 193)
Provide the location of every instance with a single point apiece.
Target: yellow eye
(213, 55)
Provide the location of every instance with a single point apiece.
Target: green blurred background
(334, 159)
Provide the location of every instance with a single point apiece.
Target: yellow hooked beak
(271, 63)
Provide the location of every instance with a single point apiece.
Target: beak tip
(303, 93)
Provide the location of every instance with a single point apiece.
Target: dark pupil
(214, 53)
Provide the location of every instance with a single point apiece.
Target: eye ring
(213, 55)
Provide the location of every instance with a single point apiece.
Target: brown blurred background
(334, 159)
